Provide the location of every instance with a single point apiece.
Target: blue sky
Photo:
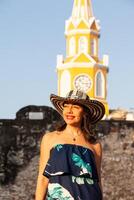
(31, 36)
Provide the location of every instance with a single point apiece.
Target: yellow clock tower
(82, 69)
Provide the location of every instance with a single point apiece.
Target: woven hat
(96, 109)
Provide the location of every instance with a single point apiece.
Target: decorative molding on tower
(82, 12)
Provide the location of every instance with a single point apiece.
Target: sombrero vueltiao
(96, 109)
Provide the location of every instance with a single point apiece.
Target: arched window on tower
(65, 83)
(100, 85)
(93, 47)
(83, 45)
(72, 46)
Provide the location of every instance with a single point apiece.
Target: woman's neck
(73, 132)
(73, 129)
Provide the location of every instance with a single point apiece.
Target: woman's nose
(70, 109)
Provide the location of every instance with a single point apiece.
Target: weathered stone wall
(19, 142)
(19, 154)
(118, 165)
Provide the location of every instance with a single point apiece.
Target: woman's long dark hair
(86, 127)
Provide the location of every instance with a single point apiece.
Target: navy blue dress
(72, 174)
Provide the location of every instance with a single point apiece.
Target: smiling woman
(72, 113)
(70, 160)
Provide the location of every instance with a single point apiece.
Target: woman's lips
(70, 117)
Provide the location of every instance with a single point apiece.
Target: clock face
(83, 82)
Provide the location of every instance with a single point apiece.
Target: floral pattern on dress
(58, 147)
(85, 168)
(57, 191)
(82, 180)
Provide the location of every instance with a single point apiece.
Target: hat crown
(77, 94)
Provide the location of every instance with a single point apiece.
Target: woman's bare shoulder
(48, 138)
(97, 143)
(97, 146)
(49, 134)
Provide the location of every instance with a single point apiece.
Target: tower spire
(82, 9)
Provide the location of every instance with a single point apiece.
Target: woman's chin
(71, 122)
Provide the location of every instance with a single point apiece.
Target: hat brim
(96, 109)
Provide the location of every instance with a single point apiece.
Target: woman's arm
(42, 181)
(98, 159)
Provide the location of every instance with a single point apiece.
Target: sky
(31, 37)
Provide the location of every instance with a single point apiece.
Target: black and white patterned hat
(96, 109)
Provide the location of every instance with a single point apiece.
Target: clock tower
(81, 68)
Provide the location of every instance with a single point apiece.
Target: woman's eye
(77, 107)
(65, 106)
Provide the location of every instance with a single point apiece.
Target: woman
(70, 157)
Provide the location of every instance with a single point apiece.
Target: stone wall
(19, 154)
(118, 165)
(19, 142)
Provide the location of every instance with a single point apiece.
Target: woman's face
(72, 114)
